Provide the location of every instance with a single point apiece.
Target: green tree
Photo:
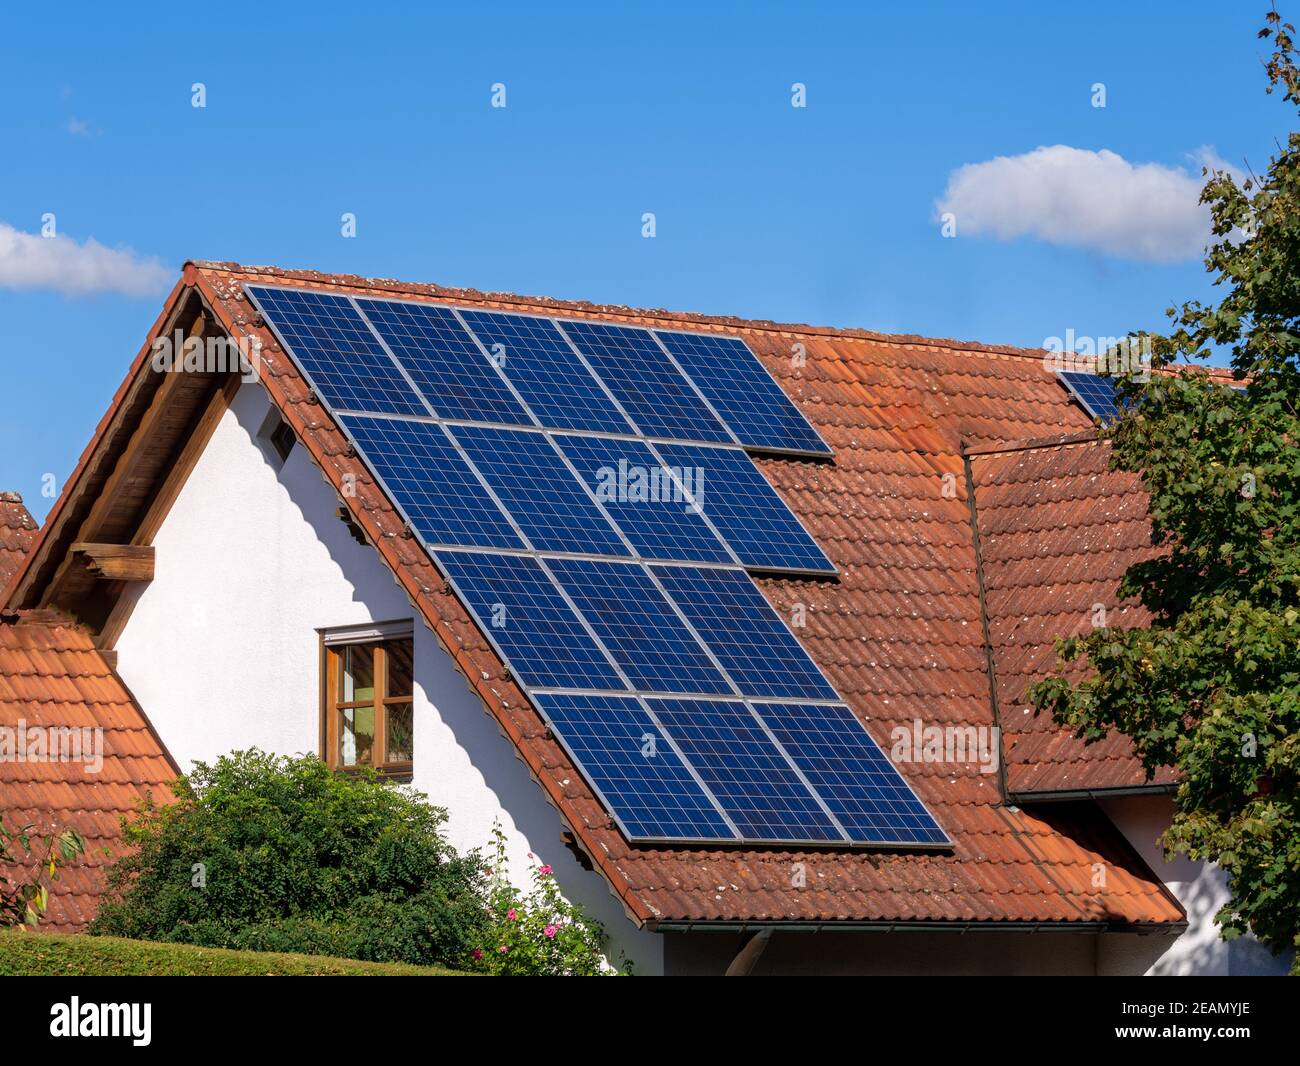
(1212, 685)
(267, 853)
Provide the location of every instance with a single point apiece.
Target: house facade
(229, 572)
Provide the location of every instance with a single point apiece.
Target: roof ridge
(678, 317)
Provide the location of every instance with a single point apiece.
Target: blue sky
(824, 214)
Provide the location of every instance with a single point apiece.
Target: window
(368, 711)
(277, 438)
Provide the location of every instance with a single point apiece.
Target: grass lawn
(78, 955)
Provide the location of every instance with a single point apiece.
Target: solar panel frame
(747, 511)
(607, 717)
(385, 390)
(544, 496)
(744, 633)
(789, 431)
(420, 337)
(627, 357)
(747, 771)
(845, 766)
(562, 393)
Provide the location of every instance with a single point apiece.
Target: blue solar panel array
(653, 505)
(743, 392)
(444, 361)
(345, 363)
(735, 496)
(1096, 393)
(633, 767)
(580, 486)
(531, 479)
(644, 380)
(434, 486)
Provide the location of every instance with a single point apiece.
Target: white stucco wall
(223, 653)
(1200, 887)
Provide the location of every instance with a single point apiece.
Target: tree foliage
(268, 853)
(28, 859)
(1212, 685)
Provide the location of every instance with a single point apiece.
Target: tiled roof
(52, 675)
(17, 530)
(1057, 528)
(899, 634)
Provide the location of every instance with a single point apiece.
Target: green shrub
(537, 933)
(24, 954)
(269, 853)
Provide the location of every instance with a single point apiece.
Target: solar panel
(444, 362)
(519, 607)
(336, 350)
(745, 509)
(638, 627)
(851, 774)
(1096, 393)
(652, 507)
(426, 477)
(743, 392)
(748, 774)
(539, 362)
(651, 389)
(540, 492)
(633, 768)
(747, 636)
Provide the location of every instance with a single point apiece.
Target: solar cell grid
(517, 604)
(453, 374)
(432, 484)
(842, 762)
(741, 629)
(1096, 393)
(540, 363)
(743, 392)
(652, 507)
(745, 509)
(747, 773)
(628, 760)
(638, 627)
(346, 365)
(651, 389)
(539, 491)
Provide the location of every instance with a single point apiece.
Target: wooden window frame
(333, 643)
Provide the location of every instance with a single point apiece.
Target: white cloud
(1072, 196)
(29, 261)
(78, 127)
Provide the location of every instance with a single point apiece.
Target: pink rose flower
(545, 871)
(477, 953)
(550, 932)
(511, 914)
(503, 949)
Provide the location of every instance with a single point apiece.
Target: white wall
(223, 653)
(1200, 887)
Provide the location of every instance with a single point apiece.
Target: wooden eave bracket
(117, 562)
